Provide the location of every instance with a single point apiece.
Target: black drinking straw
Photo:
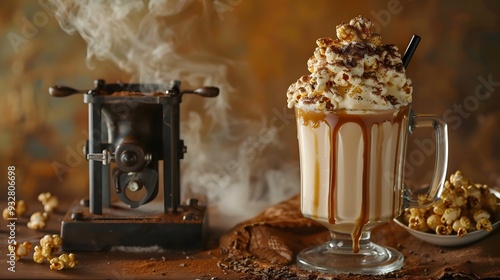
(410, 50)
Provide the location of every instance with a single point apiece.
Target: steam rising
(230, 162)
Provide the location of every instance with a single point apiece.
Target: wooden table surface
(148, 264)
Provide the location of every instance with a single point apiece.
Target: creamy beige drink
(348, 162)
(352, 119)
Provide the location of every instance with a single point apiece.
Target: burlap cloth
(265, 248)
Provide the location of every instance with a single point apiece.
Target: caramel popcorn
(20, 209)
(20, 249)
(56, 264)
(49, 201)
(38, 255)
(433, 221)
(461, 226)
(444, 230)
(53, 241)
(353, 72)
(482, 219)
(463, 207)
(50, 244)
(63, 261)
(6, 214)
(450, 215)
(38, 220)
(418, 222)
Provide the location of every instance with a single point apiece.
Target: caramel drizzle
(335, 121)
(395, 200)
(379, 170)
(316, 178)
(331, 190)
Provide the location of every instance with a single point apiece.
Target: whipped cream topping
(354, 72)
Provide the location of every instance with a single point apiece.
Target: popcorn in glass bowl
(465, 212)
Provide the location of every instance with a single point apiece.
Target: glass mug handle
(441, 164)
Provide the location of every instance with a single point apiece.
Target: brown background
(263, 47)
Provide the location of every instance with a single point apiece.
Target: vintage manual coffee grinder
(134, 145)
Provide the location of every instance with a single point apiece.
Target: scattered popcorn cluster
(38, 220)
(463, 207)
(20, 209)
(49, 244)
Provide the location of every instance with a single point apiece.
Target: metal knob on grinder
(204, 91)
(63, 91)
(130, 157)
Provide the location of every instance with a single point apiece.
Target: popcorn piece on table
(20, 249)
(6, 214)
(63, 261)
(50, 244)
(53, 241)
(49, 201)
(20, 209)
(38, 255)
(38, 220)
(56, 264)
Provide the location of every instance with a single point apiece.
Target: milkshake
(352, 117)
(347, 166)
(353, 120)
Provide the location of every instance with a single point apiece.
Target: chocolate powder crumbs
(352, 52)
(132, 93)
(259, 270)
(127, 93)
(393, 100)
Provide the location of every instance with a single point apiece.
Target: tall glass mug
(352, 170)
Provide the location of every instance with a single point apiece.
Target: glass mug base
(337, 257)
